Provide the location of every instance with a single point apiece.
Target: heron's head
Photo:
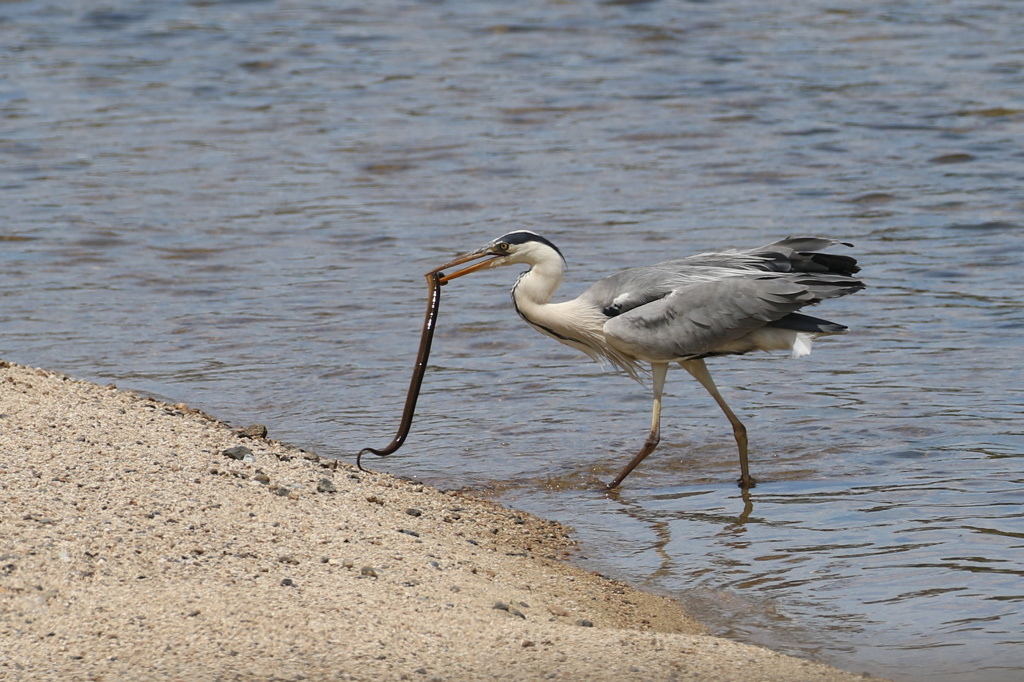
(521, 246)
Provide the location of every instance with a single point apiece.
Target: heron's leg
(658, 371)
(699, 371)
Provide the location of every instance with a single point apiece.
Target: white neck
(577, 323)
(574, 323)
(536, 286)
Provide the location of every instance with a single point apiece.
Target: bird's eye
(503, 246)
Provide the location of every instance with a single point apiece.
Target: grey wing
(802, 254)
(629, 289)
(693, 321)
(828, 275)
(793, 254)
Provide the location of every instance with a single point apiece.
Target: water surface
(231, 204)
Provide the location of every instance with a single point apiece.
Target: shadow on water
(801, 566)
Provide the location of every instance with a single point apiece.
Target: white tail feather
(801, 344)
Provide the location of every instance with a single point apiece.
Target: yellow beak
(465, 258)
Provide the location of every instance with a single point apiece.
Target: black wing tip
(800, 322)
(835, 263)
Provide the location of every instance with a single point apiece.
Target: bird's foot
(746, 483)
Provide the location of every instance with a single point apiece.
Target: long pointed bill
(475, 255)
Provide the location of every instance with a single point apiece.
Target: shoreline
(143, 540)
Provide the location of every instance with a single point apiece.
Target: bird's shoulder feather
(695, 320)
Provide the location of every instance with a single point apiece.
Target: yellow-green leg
(699, 371)
(658, 372)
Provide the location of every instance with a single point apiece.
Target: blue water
(232, 204)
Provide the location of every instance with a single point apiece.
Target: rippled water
(232, 204)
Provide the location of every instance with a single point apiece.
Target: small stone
(413, 511)
(368, 571)
(326, 485)
(254, 431)
(501, 606)
(584, 623)
(239, 452)
(262, 477)
(288, 582)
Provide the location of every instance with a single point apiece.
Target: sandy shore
(133, 548)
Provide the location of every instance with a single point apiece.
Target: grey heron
(679, 311)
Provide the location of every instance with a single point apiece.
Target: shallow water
(232, 204)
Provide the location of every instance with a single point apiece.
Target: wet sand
(146, 541)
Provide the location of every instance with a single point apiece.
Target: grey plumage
(694, 307)
(682, 310)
